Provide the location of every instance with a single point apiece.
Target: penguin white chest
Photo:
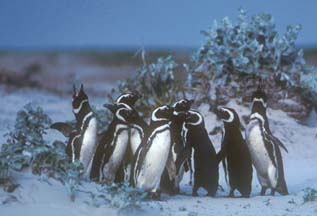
(120, 142)
(89, 144)
(154, 162)
(266, 171)
(135, 139)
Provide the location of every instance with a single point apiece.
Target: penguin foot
(154, 196)
(272, 192)
(210, 194)
(263, 190)
(194, 193)
(231, 194)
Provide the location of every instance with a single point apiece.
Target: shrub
(26, 147)
(310, 195)
(125, 197)
(26, 141)
(156, 82)
(251, 48)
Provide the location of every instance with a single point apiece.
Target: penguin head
(162, 113)
(182, 105)
(259, 101)
(194, 118)
(128, 98)
(122, 112)
(79, 99)
(229, 116)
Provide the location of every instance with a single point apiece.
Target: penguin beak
(111, 107)
(219, 113)
(191, 102)
(137, 95)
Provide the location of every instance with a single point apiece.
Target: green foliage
(310, 195)
(125, 197)
(156, 82)
(72, 178)
(26, 141)
(251, 47)
(26, 147)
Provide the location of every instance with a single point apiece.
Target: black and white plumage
(113, 144)
(138, 127)
(179, 159)
(152, 155)
(235, 152)
(137, 130)
(82, 141)
(195, 135)
(265, 148)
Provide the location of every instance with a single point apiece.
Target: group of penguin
(155, 156)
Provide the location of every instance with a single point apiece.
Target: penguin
(264, 147)
(139, 126)
(236, 153)
(113, 144)
(83, 138)
(180, 154)
(152, 155)
(137, 131)
(195, 135)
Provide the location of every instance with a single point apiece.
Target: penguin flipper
(65, 128)
(274, 139)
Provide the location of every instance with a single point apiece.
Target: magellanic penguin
(113, 144)
(138, 127)
(137, 130)
(235, 152)
(195, 135)
(265, 148)
(82, 141)
(180, 155)
(151, 157)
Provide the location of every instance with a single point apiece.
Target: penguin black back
(235, 151)
(205, 162)
(180, 153)
(264, 147)
(160, 116)
(121, 115)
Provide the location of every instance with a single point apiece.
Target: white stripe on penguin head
(199, 121)
(231, 115)
(125, 105)
(179, 102)
(259, 100)
(77, 110)
(154, 118)
(120, 116)
(258, 116)
(122, 96)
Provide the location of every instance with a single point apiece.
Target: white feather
(231, 115)
(155, 160)
(89, 144)
(77, 110)
(199, 121)
(260, 156)
(121, 143)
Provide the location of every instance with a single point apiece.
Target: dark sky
(136, 23)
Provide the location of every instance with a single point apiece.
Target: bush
(310, 195)
(156, 82)
(125, 197)
(25, 142)
(26, 147)
(251, 48)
